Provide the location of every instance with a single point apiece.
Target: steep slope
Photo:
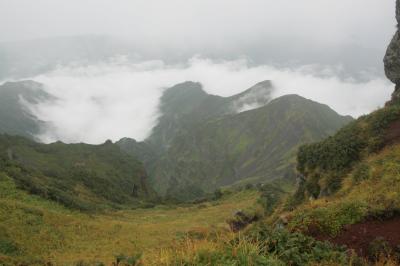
(253, 146)
(203, 142)
(15, 118)
(349, 189)
(323, 164)
(82, 176)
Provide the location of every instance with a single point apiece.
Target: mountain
(15, 117)
(185, 105)
(81, 176)
(204, 141)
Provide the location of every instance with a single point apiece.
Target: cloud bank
(119, 99)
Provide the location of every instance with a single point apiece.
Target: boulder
(392, 59)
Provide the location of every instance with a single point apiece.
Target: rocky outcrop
(392, 59)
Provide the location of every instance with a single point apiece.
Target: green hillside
(186, 105)
(324, 164)
(208, 147)
(87, 177)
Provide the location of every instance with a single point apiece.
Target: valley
(35, 231)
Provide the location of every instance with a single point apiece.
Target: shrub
(379, 247)
(331, 159)
(296, 248)
(218, 194)
(243, 218)
(8, 247)
(362, 172)
(330, 219)
(271, 196)
(123, 260)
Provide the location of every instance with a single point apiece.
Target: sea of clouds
(117, 98)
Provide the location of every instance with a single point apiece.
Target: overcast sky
(327, 50)
(198, 24)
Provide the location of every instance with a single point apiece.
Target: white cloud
(119, 99)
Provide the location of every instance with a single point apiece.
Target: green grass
(80, 176)
(37, 230)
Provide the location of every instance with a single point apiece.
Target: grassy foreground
(37, 231)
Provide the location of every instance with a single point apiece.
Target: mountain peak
(254, 97)
(260, 87)
(187, 87)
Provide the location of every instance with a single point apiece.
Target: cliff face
(392, 58)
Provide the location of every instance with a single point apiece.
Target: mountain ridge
(216, 148)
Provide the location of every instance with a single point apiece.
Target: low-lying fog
(119, 99)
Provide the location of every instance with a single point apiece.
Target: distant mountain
(204, 141)
(15, 118)
(186, 105)
(81, 176)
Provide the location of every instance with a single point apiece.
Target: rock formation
(392, 59)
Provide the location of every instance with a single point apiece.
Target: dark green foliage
(81, 176)
(217, 194)
(124, 260)
(296, 248)
(264, 246)
(241, 219)
(331, 159)
(7, 247)
(297, 197)
(379, 247)
(361, 172)
(270, 196)
(329, 220)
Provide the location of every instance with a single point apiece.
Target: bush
(243, 218)
(296, 248)
(8, 247)
(379, 247)
(330, 219)
(122, 260)
(331, 159)
(271, 196)
(218, 194)
(362, 172)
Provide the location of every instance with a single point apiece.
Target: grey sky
(212, 27)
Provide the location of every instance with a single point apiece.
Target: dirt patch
(359, 236)
(393, 133)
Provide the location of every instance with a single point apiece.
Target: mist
(119, 99)
(284, 33)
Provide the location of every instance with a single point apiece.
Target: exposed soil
(359, 236)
